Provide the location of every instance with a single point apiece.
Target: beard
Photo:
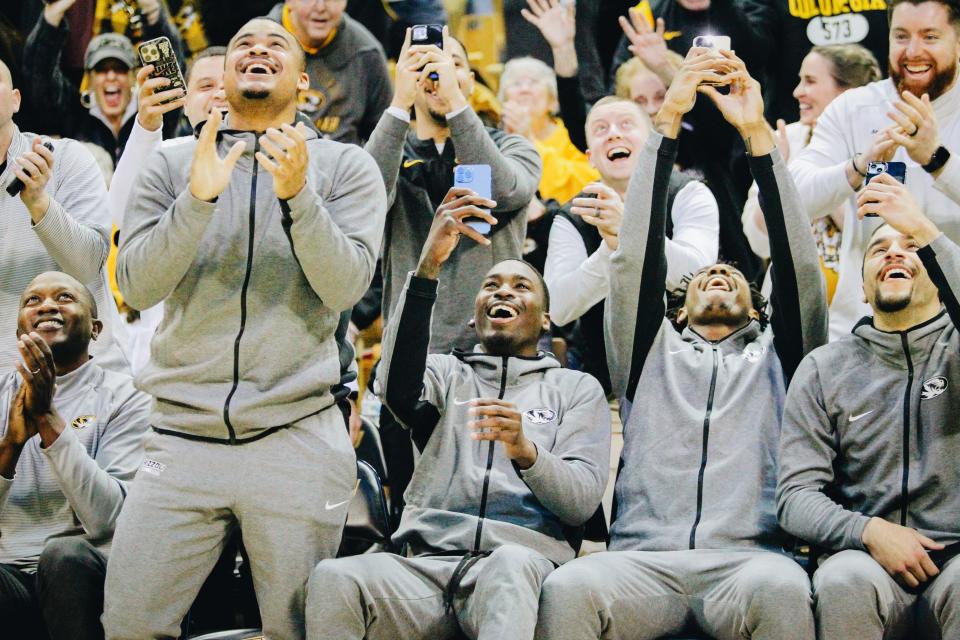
(255, 94)
(942, 79)
(438, 118)
(893, 304)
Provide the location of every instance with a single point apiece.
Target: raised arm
(410, 386)
(41, 65)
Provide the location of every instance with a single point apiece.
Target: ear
(682, 315)
(472, 323)
(16, 100)
(303, 82)
(545, 325)
(96, 329)
(754, 314)
(470, 85)
(590, 159)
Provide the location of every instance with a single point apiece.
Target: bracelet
(853, 162)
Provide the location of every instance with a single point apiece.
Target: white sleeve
(820, 169)
(696, 232)
(576, 282)
(750, 220)
(140, 145)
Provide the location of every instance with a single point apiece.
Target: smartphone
(160, 53)
(16, 185)
(896, 169)
(478, 178)
(715, 43)
(428, 34)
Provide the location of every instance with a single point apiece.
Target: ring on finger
(916, 129)
(35, 372)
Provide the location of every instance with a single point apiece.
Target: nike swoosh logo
(409, 163)
(673, 353)
(857, 417)
(330, 507)
(462, 402)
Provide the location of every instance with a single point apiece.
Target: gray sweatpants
(640, 595)
(288, 492)
(384, 596)
(856, 598)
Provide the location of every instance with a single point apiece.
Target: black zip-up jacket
(870, 427)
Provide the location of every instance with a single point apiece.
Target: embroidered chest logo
(81, 422)
(752, 353)
(152, 467)
(933, 387)
(540, 416)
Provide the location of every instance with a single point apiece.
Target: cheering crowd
(771, 307)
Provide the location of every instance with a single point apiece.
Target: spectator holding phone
(349, 82)
(913, 117)
(869, 446)
(826, 73)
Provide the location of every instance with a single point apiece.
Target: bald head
(58, 280)
(5, 76)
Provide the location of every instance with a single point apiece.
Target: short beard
(935, 88)
(255, 94)
(438, 118)
(892, 305)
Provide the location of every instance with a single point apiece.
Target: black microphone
(16, 185)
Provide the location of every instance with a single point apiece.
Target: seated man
(695, 540)
(515, 452)
(585, 234)
(71, 435)
(870, 441)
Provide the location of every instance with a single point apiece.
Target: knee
(329, 577)
(778, 585)
(574, 582)
(62, 556)
(846, 573)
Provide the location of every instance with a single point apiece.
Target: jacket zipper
(486, 474)
(243, 298)
(703, 453)
(906, 430)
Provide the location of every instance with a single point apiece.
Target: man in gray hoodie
(514, 455)
(870, 441)
(254, 256)
(694, 541)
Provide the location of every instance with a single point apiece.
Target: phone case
(478, 178)
(159, 52)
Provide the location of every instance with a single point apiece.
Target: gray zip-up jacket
(252, 286)
(417, 178)
(870, 426)
(466, 495)
(702, 419)
(77, 485)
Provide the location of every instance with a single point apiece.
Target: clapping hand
(287, 160)
(209, 173)
(917, 130)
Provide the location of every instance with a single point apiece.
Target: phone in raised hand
(897, 170)
(478, 178)
(160, 53)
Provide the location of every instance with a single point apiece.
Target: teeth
(917, 68)
(497, 308)
(50, 324)
(618, 152)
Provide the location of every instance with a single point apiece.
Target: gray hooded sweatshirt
(252, 286)
(870, 426)
(466, 495)
(702, 419)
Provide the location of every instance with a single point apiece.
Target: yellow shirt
(566, 169)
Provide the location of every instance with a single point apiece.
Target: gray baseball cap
(106, 46)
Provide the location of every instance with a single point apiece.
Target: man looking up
(71, 437)
(249, 221)
(869, 447)
(913, 117)
(514, 459)
(58, 221)
(695, 541)
(349, 81)
(585, 235)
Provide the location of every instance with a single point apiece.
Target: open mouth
(918, 69)
(618, 153)
(718, 283)
(49, 324)
(501, 311)
(895, 272)
(258, 66)
(112, 96)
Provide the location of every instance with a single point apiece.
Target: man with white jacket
(911, 117)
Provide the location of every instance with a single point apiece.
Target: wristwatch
(939, 158)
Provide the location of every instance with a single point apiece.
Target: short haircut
(952, 7)
(302, 55)
(608, 100)
(534, 67)
(540, 279)
(852, 65)
(5, 74)
(634, 67)
(209, 52)
(85, 294)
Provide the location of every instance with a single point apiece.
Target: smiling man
(869, 450)
(238, 233)
(694, 541)
(71, 438)
(586, 233)
(913, 117)
(514, 455)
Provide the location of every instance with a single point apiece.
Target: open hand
(646, 43)
(501, 421)
(209, 173)
(287, 160)
(901, 551)
(556, 22)
(449, 223)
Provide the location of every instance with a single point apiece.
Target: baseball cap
(106, 46)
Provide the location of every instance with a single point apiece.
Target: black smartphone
(896, 169)
(16, 185)
(160, 53)
(428, 34)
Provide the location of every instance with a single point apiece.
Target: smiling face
(428, 102)
(510, 311)
(616, 132)
(112, 85)
(817, 87)
(264, 63)
(894, 278)
(648, 90)
(924, 48)
(205, 89)
(718, 295)
(63, 312)
(314, 20)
